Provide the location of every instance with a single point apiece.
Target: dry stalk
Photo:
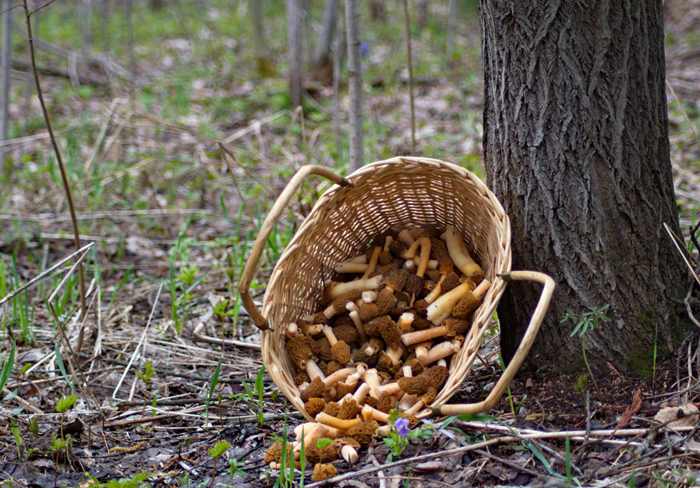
(64, 177)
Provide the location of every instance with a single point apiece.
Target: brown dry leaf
(631, 410)
(681, 413)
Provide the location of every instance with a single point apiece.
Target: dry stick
(64, 338)
(48, 272)
(410, 77)
(415, 459)
(64, 177)
(134, 355)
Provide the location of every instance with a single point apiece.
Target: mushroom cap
(348, 409)
(274, 452)
(414, 285)
(300, 350)
(456, 327)
(319, 318)
(396, 279)
(429, 395)
(373, 327)
(347, 441)
(421, 308)
(450, 282)
(325, 353)
(341, 353)
(386, 301)
(386, 403)
(436, 376)
(368, 311)
(390, 332)
(314, 406)
(341, 320)
(370, 400)
(398, 247)
(384, 363)
(340, 301)
(317, 389)
(421, 323)
(361, 356)
(363, 432)
(415, 365)
(385, 269)
(416, 385)
(428, 286)
(466, 305)
(346, 333)
(301, 377)
(324, 472)
(438, 250)
(332, 409)
(332, 367)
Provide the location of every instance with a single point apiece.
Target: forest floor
(173, 172)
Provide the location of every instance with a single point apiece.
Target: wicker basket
(398, 192)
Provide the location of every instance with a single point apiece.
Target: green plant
(234, 466)
(64, 404)
(587, 321)
(398, 436)
(212, 386)
(34, 427)
(286, 475)
(7, 366)
(18, 441)
(259, 390)
(148, 372)
(134, 482)
(57, 445)
(215, 452)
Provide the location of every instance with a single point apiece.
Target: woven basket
(399, 193)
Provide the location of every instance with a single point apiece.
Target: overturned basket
(398, 192)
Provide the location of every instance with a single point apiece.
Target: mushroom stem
(347, 267)
(389, 389)
(371, 377)
(361, 393)
(357, 285)
(339, 375)
(355, 317)
(440, 351)
(349, 454)
(407, 401)
(459, 253)
(433, 295)
(335, 422)
(291, 330)
(405, 321)
(318, 432)
(313, 370)
(369, 296)
(372, 262)
(370, 413)
(415, 408)
(450, 326)
(406, 237)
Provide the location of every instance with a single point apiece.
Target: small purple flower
(401, 425)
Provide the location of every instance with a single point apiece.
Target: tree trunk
(266, 67)
(294, 42)
(352, 23)
(576, 147)
(323, 65)
(5, 64)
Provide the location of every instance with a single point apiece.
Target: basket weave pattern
(399, 192)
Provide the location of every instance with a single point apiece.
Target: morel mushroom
(314, 405)
(460, 255)
(324, 472)
(470, 301)
(340, 350)
(348, 449)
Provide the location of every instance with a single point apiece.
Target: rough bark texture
(294, 40)
(576, 148)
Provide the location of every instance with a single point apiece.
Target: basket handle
(520, 354)
(266, 229)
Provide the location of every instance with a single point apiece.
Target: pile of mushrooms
(389, 321)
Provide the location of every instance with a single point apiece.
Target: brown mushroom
(470, 301)
(316, 389)
(324, 472)
(441, 308)
(349, 408)
(355, 317)
(314, 406)
(346, 333)
(348, 449)
(385, 256)
(340, 350)
(338, 304)
(390, 360)
(367, 311)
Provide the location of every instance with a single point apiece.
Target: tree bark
(328, 28)
(352, 23)
(576, 148)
